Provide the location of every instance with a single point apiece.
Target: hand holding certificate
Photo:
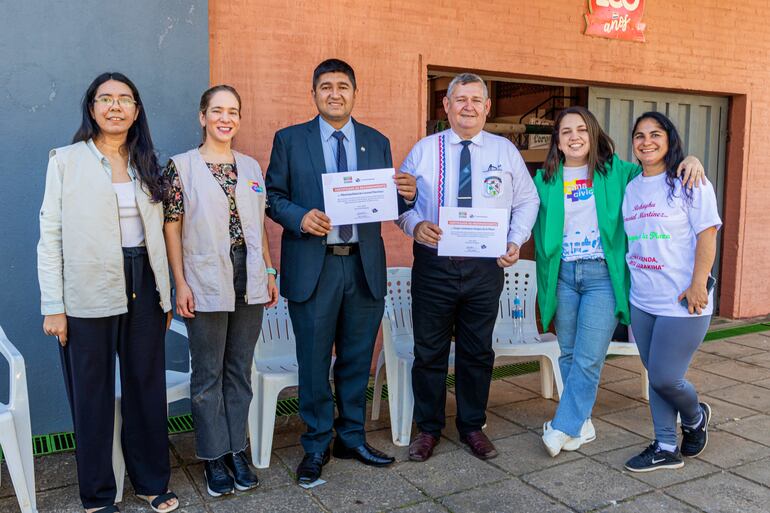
(360, 196)
(473, 232)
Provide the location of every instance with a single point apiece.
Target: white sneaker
(555, 440)
(587, 434)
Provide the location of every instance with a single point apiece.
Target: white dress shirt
(329, 145)
(499, 177)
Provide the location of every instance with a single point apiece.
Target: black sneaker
(238, 464)
(218, 479)
(654, 458)
(694, 440)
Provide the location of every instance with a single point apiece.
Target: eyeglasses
(109, 101)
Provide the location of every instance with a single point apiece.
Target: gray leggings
(666, 346)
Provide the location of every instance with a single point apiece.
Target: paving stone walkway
(732, 475)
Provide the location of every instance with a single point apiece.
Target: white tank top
(131, 228)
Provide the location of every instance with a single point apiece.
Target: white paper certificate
(473, 232)
(360, 196)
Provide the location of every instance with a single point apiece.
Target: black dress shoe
(218, 479)
(364, 453)
(238, 465)
(309, 469)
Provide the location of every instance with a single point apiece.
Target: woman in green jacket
(580, 249)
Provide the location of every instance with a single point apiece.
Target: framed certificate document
(360, 196)
(473, 232)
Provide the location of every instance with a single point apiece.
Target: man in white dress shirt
(458, 296)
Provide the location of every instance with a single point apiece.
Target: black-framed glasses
(108, 101)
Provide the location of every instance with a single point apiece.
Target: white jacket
(80, 259)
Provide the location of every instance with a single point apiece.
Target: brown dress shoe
(479, 444)
(422, 446)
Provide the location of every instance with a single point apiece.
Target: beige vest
(80, 260)
(208, 269)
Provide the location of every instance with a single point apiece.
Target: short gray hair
(467, 78)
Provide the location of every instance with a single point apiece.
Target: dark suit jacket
(294, 187)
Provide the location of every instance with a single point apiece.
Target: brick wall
(268, 49)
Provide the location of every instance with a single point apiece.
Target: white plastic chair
(177, 388)
(520, 279)
(275, 368)
(15, 429)
(397, 356)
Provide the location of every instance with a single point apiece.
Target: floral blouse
(173, 204)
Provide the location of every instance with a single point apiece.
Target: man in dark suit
(333, 277)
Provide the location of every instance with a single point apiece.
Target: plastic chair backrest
(277, 337)
(17, 389)
(398, 300)
(519, 279)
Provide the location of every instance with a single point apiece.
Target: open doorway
(524, 112)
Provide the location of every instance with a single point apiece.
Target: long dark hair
(601, 146)
(675, 154)
(138, 142)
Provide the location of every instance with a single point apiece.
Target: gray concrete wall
(49, 53)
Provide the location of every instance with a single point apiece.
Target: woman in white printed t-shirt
(671, 247)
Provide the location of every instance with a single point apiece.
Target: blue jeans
(585, 321)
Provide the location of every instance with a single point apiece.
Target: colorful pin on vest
(255, 186)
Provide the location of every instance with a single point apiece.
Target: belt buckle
(340, 250)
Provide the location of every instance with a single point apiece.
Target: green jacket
(549, 232)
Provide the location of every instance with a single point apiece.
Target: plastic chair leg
(553, 359)
(262, 422)
(546, 377)
(379, 378)
(118, 463)
(14, 461)
(405, 398)
(645, 385)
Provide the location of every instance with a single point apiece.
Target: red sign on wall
(616, 19)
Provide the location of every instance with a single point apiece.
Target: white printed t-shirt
(582, 240)
(662, 233)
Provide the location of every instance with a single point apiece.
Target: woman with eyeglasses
(219, 255)
(105, 291)
(672, 233)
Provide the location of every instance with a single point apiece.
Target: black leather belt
(342, 249)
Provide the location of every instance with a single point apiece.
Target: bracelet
(271, 270)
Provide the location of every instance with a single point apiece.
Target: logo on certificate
(347, 179)
(493, 186)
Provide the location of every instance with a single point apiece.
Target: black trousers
(88, 361)
(460, 298)
(341, 313)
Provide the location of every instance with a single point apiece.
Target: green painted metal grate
(62, 442)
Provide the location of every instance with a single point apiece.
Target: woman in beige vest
(105, 290)
(218, 251)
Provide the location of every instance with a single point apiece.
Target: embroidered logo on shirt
(255, 186)
(578, 190)
(493, 186)
(491, 167)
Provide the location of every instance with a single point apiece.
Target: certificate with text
(473, 232)
(354, 197)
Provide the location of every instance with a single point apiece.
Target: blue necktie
(345, 230)
(464, 189)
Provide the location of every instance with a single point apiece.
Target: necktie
(464, 189)
(345, 230)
